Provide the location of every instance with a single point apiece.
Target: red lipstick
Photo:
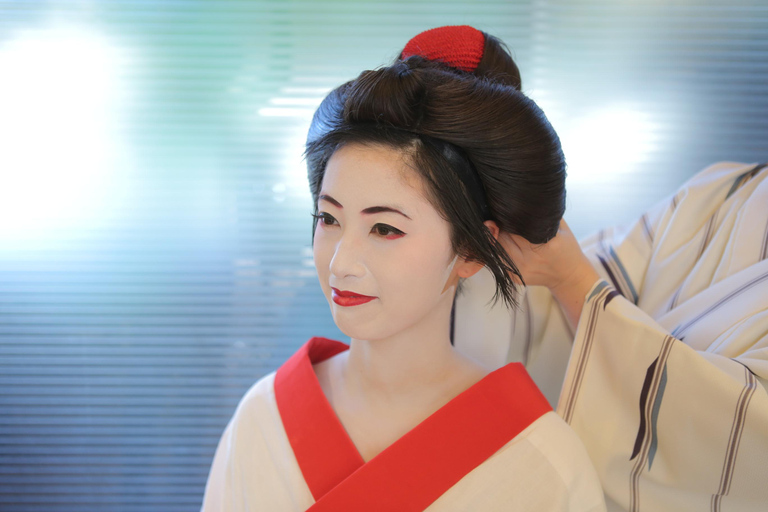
(343, 298)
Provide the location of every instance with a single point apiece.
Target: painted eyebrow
(369, 210)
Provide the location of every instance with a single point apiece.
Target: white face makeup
(379, 237)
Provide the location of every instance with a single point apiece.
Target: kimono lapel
(423, 464)
(325, 453)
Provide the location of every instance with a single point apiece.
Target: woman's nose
(347, 258)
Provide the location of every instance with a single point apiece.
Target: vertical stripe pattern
(735, 439)
(617, 273)
(642, 459)
(647, 229)
(709, 231)
(583, 358)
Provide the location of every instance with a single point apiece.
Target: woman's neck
(417, 360)
(383, 388)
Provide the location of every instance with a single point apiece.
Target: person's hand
(559, 264)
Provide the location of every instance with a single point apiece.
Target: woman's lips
(344, 298)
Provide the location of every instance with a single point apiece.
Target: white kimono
(496, 446)
(665, 378)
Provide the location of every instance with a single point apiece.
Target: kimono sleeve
(666, 380)
(254, 467)
(217, 493)
(669, 428)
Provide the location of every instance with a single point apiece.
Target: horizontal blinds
(645, 94)
(155, 255)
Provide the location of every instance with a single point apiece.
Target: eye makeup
(383, 230)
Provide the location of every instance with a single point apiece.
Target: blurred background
(155, 226)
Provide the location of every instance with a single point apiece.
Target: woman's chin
(353, 331)
(357, 329)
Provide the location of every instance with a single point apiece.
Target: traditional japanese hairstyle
(484, 150)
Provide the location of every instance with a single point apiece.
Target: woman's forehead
(364, 173)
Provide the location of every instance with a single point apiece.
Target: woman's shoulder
(556, 440)
(258, 402)
(260, 397)
(261, 389)
(256, 428)
(543, 469)
(556, 446)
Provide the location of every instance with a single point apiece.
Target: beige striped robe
(665, 378)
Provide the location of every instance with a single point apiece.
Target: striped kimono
(665, 377)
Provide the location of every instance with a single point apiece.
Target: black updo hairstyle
(449, 123)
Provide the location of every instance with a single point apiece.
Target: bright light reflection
(287, 112)
(608, 143)
(294, 169)
(299, 103)
(308, 102)
(57, 110)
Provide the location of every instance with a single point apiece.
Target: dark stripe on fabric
(744, 365)
(735, 186)
(610, 273)
(737, 183)
(647, 441)
(673, 302)
(674, 202)
(611, 295)
(647, 227)
(623, 274)
(734, 440)
(706, 238)
(617, 273)
(655, 417)
(743, 178)
(746, 286)
(583, 357)
(708, 231)
(643, 401)
(756, 170)
(599, 287)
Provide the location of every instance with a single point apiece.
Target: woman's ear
(493, 228)
(468, 268)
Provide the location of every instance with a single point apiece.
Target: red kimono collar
(419, 467)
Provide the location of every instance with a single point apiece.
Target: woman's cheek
(321, 258)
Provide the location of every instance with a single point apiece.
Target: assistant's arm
(665, 383)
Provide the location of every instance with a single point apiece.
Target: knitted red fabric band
(459, 46)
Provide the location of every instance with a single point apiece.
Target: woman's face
(378, 237)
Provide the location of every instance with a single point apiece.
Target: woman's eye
(325, 218)
(387, 231)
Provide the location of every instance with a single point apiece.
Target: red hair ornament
(459, 46)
